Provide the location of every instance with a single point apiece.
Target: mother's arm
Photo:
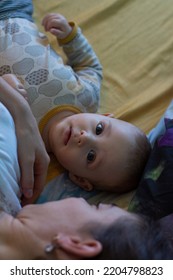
(32, 155)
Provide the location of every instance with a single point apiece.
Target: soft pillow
(154, 195)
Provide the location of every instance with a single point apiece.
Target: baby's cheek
(64, 159)
(72, 164)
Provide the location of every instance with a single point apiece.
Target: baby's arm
(86, 68)
(32, 155)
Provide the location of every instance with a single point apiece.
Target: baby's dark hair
(130, 171)
(136, 162)
(137, 238)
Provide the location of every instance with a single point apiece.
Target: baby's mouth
(67, 136)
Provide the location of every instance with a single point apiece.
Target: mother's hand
(32, 155)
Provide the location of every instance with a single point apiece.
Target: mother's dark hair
(134, 239)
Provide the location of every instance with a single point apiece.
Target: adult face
(69, 223)
(69, 215)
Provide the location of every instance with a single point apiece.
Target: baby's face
(93, 147)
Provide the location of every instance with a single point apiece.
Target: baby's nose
(82, 138)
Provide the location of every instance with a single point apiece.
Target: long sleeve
(87, 70)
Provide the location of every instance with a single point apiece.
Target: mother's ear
(81, 182)
(78, 248)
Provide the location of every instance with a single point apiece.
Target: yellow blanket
(133, 40)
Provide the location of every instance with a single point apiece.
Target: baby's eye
(99, 128)
(91, 156)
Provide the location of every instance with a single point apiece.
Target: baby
(98, 151)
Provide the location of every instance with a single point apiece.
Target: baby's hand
(57, 25)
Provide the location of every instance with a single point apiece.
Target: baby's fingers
(53, 20)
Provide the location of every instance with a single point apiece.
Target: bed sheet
(133, 40)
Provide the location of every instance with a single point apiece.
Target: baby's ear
(81, 182)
